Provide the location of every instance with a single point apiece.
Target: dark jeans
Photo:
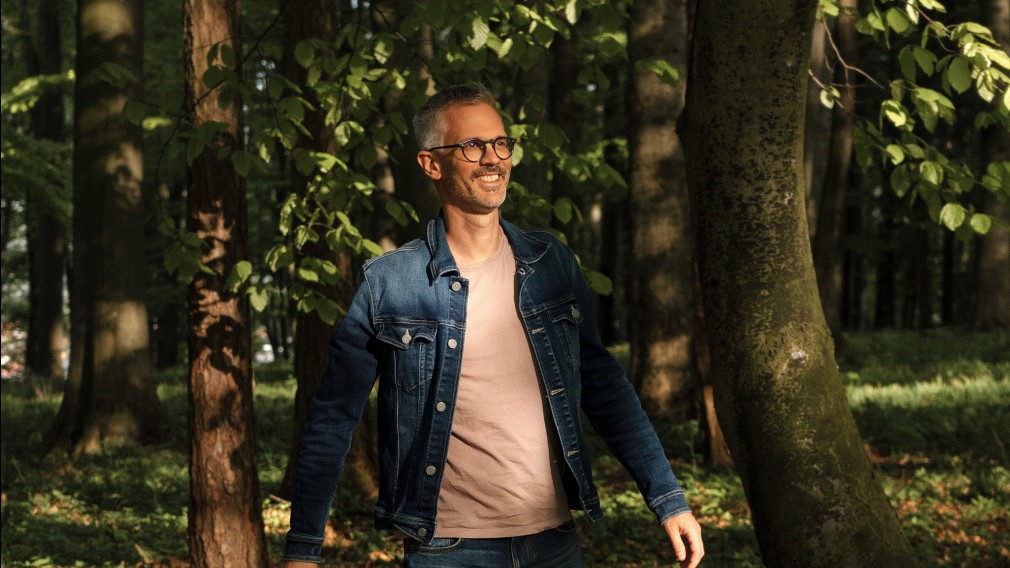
(552, 548)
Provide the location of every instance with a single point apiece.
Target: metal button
(422, 531)
(406, 337)
(430, 470)
(456, 286)
(575, 312)
(440, 407)
(452, 344)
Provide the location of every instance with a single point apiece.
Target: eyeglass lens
(473, 150)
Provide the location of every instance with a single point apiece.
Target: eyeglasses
(474, 148)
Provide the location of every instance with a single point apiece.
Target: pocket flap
(568, 311)
(403, 335)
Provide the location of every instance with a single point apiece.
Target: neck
(472, 238)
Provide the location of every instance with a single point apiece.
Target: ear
(432, 168)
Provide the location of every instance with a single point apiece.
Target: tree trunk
(314, 19)
(992, 289)
(830, 221)
(225, 510)
(110, 397)
(816, 144)
(47, 231)
(662, 293)
(808, 481)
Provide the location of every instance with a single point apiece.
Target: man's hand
(299, 564)
(682, 528)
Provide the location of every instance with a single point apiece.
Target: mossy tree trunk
(811, 488)
(225, 508)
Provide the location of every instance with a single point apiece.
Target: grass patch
(932, 408)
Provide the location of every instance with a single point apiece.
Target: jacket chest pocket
(565, 320)
(411, 352)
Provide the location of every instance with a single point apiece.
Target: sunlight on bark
(121, 329)
(107, 20)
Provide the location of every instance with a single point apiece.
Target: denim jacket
(406, 327)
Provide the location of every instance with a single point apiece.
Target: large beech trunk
(811, 488)
(110, 397)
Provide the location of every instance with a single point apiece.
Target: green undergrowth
(932, 409)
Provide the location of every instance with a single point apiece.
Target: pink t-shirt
(501, 476)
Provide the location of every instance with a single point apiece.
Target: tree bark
(110, 397)
(314, 19)
(47, 231)
(810, 486)
(992, 289)
(662, 294)
(830, 221)
(225, 510)
(816, 145)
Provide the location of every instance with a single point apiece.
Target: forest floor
(934, 409)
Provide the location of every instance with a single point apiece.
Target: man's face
(473, 187)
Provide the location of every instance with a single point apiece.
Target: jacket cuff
(303, 547)
(670, 505)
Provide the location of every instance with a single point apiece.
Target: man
(484, 342)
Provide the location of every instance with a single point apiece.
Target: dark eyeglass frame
(471, 143)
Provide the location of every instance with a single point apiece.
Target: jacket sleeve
(615, 412)
(336, 410)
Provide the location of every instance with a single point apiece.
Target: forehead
(465, 121)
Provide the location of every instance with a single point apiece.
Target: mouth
(489, 176)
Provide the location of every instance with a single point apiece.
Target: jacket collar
(526, 248)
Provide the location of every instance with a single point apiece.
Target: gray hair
(429, 127)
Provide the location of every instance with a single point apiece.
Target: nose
(489, 157)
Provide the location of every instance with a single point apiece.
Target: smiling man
(483, 340)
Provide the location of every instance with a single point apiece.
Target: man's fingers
(697, 548)
(678, 546)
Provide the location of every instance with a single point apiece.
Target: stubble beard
(477, 193)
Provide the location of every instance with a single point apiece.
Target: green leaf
(894, 112)
(925, 59)
(599, 282)
(305, 53)
(227, 55)
(900, 181)
(829, 96)
(981, 223)
(505, 47)
(372, 248)
(895, 153)
(572, 12)
(906, 59)
(662, 68)
(134, 111)
(238, 275)
(959, 74)
(898, 21)
(563, 209)
(931, 172)
(258, 298)
(480, 33)
(952, 215)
